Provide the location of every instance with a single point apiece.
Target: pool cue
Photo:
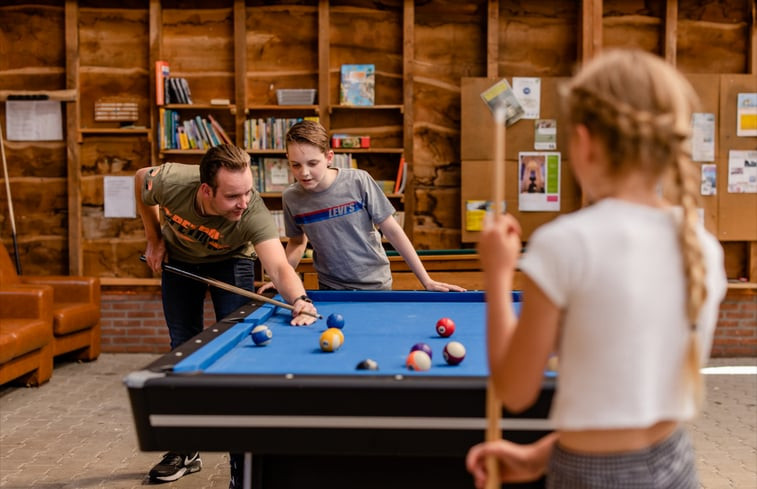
(493, 406)
(11, 214)
(230, 288)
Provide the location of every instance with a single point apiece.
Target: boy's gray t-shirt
(340, 224)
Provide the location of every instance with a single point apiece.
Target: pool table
(310, 418)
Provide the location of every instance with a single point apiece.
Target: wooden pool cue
(229, 288)
(493, 406)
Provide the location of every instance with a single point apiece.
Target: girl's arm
(397, 237)
(518, 348)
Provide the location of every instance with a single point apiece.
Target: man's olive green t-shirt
(193, 238)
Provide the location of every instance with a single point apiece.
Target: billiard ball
(445, 327)
(367, 364)
(335, 320)
(422, 347)
(332, 339)
(454, 352)
(418, 360)
(261, 335)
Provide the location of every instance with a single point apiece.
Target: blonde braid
(640, 107)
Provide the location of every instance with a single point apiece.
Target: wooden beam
(75, 254)
(752, 54)
(240, 69)
(156, 54)
(590, 30)
(408, 53)
(671, 31)
(324, 68)
(492, 39)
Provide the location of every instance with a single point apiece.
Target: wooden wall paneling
(713, 39)
(635, 24)
(198, 44)
(737, 212)
(708, 88)
(408, 120)
(75, 265)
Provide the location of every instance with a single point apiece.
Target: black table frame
(323, 431)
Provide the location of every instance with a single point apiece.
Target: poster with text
(746, 114)
(539, 181)
(742, 172)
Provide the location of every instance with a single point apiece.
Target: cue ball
(261, 335)
(418, 360)
(454, 352)
(445, 327)
(422, 347)
(367, 364)
(331, 339)
(335, 320)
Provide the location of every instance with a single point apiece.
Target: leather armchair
(75, 308)
(26, 334)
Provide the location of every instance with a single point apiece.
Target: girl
(627, 290)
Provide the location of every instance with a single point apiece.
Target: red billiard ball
(454, 352)
(445, 327)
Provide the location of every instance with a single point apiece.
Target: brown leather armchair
(75, 306)
(26, 334)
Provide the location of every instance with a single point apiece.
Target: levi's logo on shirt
(329, 213)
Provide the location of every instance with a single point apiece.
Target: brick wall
(133, 322)
(736, 334)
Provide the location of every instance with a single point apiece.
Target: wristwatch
(303, 297)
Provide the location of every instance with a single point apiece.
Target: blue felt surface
(382, 326)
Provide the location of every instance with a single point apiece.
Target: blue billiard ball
(335, 320)
(261, 335)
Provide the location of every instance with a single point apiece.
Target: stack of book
(269, 132)
(190, 133)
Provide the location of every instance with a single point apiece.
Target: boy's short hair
(309, 132)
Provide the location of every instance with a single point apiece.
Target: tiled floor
(76, 432)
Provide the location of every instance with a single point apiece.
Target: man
(209, 220)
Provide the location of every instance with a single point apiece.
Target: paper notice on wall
(709, 179)
(528, 93)
(545, 134)
(539, 181)
(33, 120)
(746, 114)
(118, 193)
(742, 172)
(703, 136)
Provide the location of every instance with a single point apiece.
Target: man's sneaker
(175, 465)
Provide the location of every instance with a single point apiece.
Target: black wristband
(303, 297)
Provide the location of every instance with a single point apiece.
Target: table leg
(247, 478)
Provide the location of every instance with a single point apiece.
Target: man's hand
(301, 306)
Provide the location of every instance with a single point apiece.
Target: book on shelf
(343, 160)
(219, 130)
(398, 182)
(268, 132)
(162, 71)
(255, 167)
(276, 174)
(278, 218)
(200, 133)
(357, 85)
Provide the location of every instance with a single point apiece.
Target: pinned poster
(528, 93)
(709, 179)
(742, 172)
(118, 193)
(703, 136)
(33, 120)
(746, 114)
(539, 181)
